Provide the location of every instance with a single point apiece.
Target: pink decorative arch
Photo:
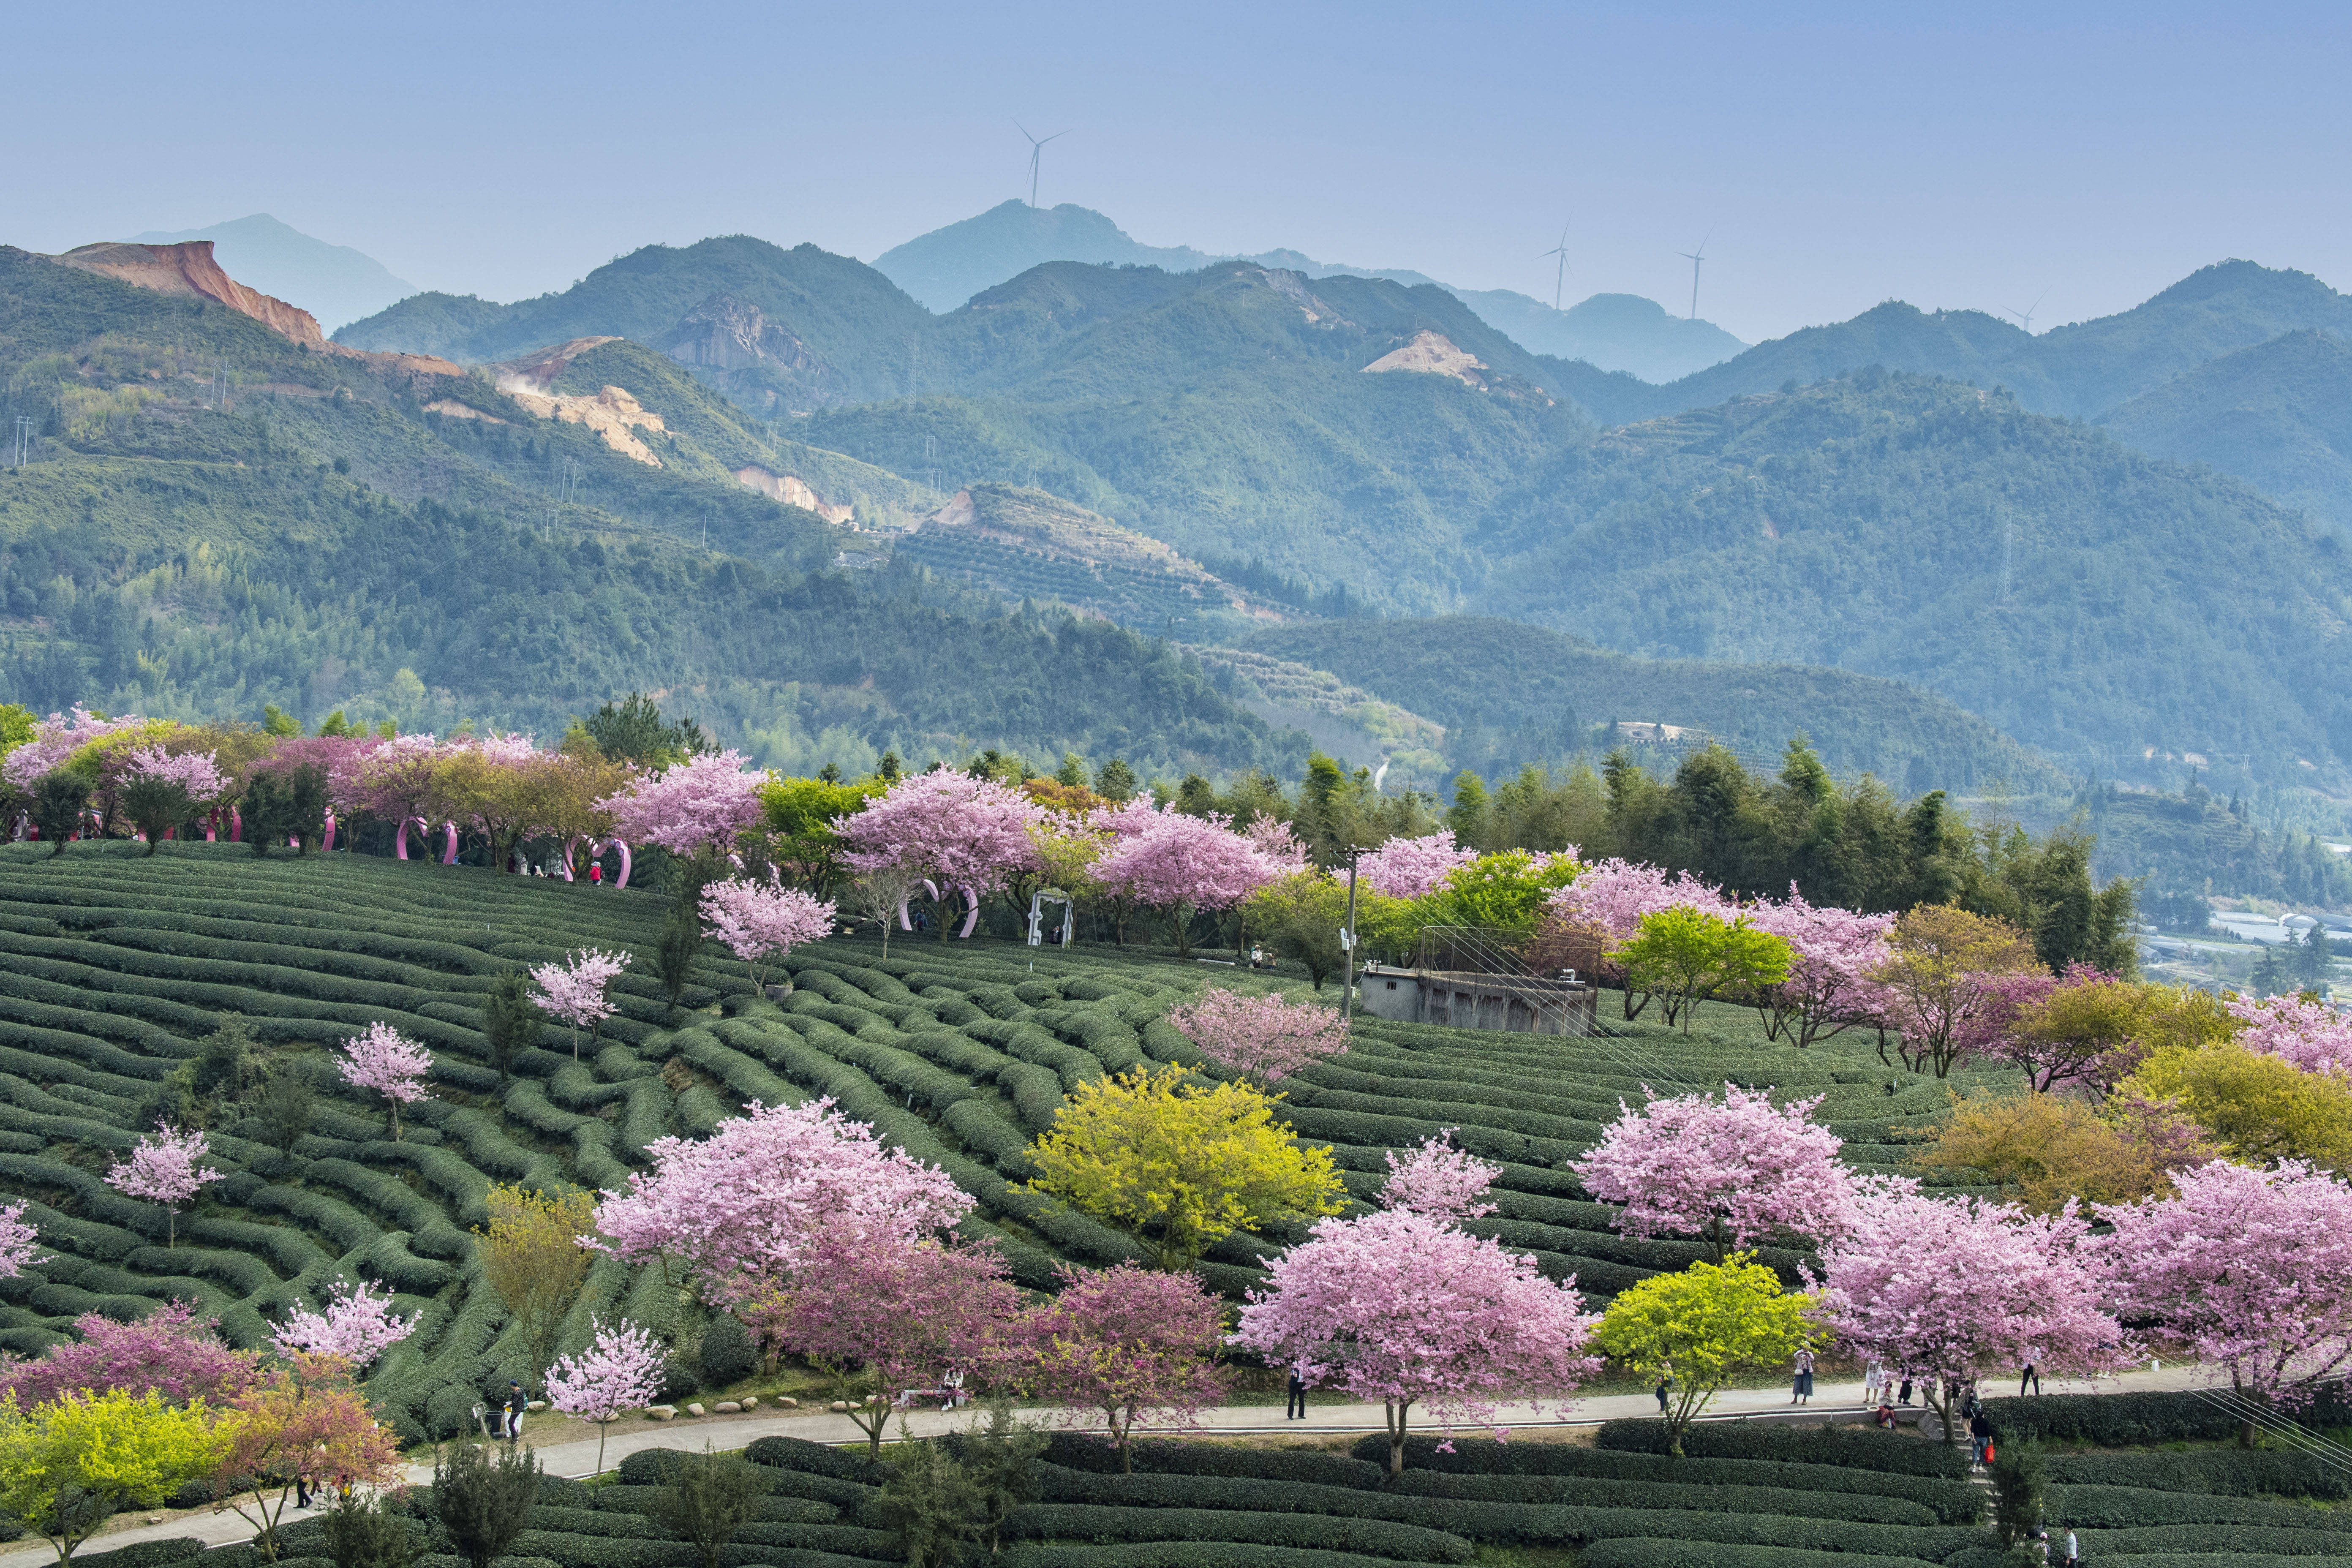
(973, 919)
(449, 850)
(400, 839)
(324, 844)
(236, 826)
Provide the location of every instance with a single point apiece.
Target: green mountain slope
(2278, 415)
(2100, 605)
(2080, 371)
(1532, 694)
(840, 329)
(949, 266)
(356, 532)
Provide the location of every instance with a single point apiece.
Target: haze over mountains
(333, 282)
(1816, 533)
(1614, 331)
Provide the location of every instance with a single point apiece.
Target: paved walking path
(577, 1457)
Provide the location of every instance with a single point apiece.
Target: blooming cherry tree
(2248, 1270)
(390, 1063)
(949, 828)
(1943, 1290)
(1829, 987)
(895, 1314)
(620, 1371)
(357, 1327)
(2312, 1035)
(743, 1208)
(1410, 868)
(1438, 1180)
(759, 923)
(1182, 863)
(1407, 1308)
(1263, 1037)
(704, 803)
(162, 1169)
(1134, 1346)
(17, 1240)
(169, 1352)
(57, 738)
(1730, 1171)
(574, 993)
(1285, 856)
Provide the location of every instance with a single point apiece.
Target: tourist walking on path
(1979, 1434)
(2031, 1375)
(1801, 1388)
(1296, 1409)
(2073, 1550)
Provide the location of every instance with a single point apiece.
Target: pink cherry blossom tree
(1409, 1310)
(1410, 868)
(2250, 1270)
(1944, 1289)
(57, 738)
(1730, 1173)
(1439, 1180)
(1602, 910)
(1276, 844)
(162, 1169)
(888, 1315)
(390, 1063)
(949, 828)
(619, 1371)
(169, 1352)
(1182, 863)
(1134, 1346)
(357, 1327)
(742, 1208)
(1262, 1038)
(160, 789)
(760, 923)
(16, 1240)
(1828, 988)
(574, 993)
(703, 804)
(2312, 1035)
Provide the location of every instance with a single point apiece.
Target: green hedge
(1650, 1553)
(1179, 1555)
(2224, 1472)
(1593, 1491)
(145, 1553)
(1160, 1455)
(2120, 1507)
(2215, 1539)
(799, 1453)
(1371, 1538)
(2131, 1420)
(1803, 1444)
(1952, 1500)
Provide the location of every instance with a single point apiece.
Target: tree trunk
(1397, 1412)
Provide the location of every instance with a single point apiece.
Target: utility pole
(24, 436)
(1348, 943)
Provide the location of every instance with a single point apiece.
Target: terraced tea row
(114, 967)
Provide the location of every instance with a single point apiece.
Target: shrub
(1868, 1450)
(728, 1355)
(362, 1533)
(484, 1501)
(2130, 1420)
(1639, 1553)
(2227, 1472)
(705, 1499)
(1180, 1554)
(2116, 1508)
(815, 1458)
(1079, 1451)
(1375, 1538)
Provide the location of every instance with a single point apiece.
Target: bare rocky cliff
(189, 271)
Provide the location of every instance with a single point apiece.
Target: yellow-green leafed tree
(1181, 1166)
(1703, 1327)
(2259, 1107)
(1681, 954)
(68, 1465)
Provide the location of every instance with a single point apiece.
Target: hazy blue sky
(1837, 155)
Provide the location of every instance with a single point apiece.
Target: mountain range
(1626, 332)
(1907, 544)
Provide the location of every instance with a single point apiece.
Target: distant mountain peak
(334, 283)
(2236, 276)
(958, 265)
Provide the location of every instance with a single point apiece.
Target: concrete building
(1464, 1000)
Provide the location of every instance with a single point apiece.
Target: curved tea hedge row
(115, 966)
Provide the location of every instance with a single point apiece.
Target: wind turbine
(1560, 277)
(1036, 149)
(1694, 258)
(2025, 317)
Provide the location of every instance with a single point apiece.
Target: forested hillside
(1513, 695)
(339, 532)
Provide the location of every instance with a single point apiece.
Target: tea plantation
(115, 966)
(1746, 1496)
